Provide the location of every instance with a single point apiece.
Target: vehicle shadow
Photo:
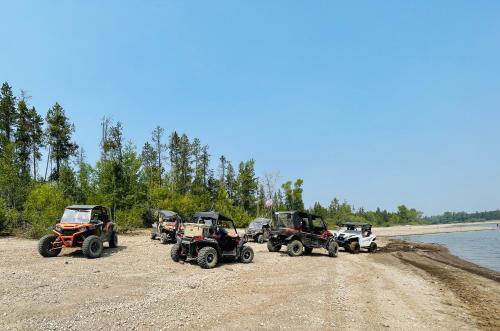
(222, 262)
(107, 252)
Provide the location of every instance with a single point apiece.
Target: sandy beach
(404, 230)
(404, 286)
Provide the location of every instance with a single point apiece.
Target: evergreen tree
(23, 137)
(173, 148)
(159, 149)
(247, 185)
(231, 184)
(37, 138)
(7, 112)
(12, 186)
(184, 165)
(59, 133)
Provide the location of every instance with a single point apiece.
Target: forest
(43, 169)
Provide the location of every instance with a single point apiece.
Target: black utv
(258, 230)
(300, 232)
(210, 238)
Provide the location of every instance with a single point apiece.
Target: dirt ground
(138, 287)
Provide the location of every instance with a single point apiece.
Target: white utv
(353, 237)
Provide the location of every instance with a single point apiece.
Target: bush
(129, 219)
(43, 207)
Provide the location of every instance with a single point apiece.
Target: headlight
(57, 229)
(82, 228)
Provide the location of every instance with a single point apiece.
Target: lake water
(479, 247)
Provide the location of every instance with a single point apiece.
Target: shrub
(43, 207)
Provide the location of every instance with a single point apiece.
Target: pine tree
(160, 148)
(59, 133)
(231, 184)
(174, 153)
(23, 137)
(247, 185)
(37, 138)
(7, 112)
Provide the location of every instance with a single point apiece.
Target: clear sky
(376, 102)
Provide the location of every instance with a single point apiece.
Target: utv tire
(163, 238)
(175, 253)
(207, 257)
(308, 250)
(246, 255)
(153, 236)
(92, 247)
(260, 239)
(373, 247)
(45, 246)
(333, 249)
(295, 248)
(354, 247)
(273, 248)
(113, 240)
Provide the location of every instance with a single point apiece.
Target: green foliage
(129, 219)
(293, 196)
(3, 215)
(13, 187)
(8, 112)
(44, 205)
(133, 184)
(458, 217)
(59, 133)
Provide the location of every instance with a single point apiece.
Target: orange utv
(85, 226)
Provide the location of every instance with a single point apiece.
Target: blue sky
(379, 103)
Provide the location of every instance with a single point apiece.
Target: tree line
(170, 171)
(42, 170)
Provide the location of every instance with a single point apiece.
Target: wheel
(163, 238)
(273, 248)
(295, 248)
(333, 249)
(354, 247)
(207, 257)
(45, 245)
(308, 250)
(153, 235)
(246, 255)
(175, 253)
(373, 247)
(92, 247)
(260, 239)
(113, 240)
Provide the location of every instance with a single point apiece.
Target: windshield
(76, 216)
(350, 228)
(203, 220)
(256, 225)
(284, 220)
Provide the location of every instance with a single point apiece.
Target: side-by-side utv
(300, 232)
(210, 238)
(167, 227)
(85, 226)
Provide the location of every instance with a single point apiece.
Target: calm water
(479, 247)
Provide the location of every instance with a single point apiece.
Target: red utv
(300, 232)
(85, 226)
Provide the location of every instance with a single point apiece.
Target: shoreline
(440, 253)
(407, 230)
(477, 288)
